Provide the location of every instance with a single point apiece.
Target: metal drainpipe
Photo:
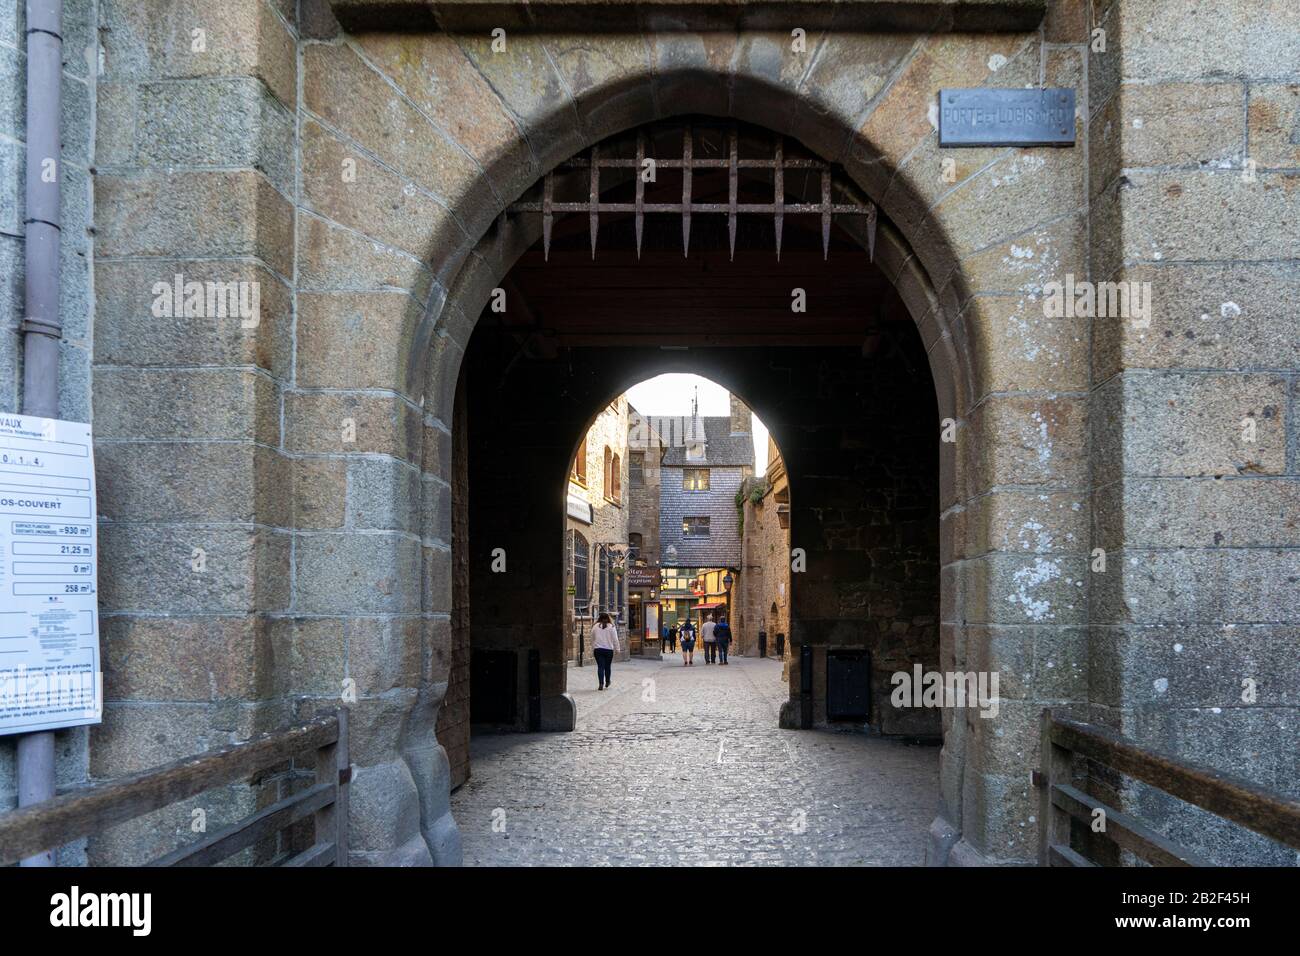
(41, 327)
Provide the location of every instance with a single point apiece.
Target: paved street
(686, 766)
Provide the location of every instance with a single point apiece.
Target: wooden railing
(1257, 808)
(80, 813)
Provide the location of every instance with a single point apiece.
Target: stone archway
(957, 370)
(390, 220)
(954, 358)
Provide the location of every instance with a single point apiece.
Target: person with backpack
(722, 638)
(688, 644)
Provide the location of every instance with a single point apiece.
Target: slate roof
(722, 448)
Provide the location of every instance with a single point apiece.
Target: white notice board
(49, 618)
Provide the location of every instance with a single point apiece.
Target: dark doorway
(492, 687)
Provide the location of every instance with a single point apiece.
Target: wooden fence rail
(1264, 811)
(89, 810)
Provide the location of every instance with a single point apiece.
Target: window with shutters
(580, 463)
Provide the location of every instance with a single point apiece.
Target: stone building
(645, 451)
(349, 461)
(699, 517)
(596, 544)
(762, 600)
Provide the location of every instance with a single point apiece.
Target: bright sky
(671, 394)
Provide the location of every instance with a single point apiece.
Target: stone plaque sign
(1006, 117)
(578, 509)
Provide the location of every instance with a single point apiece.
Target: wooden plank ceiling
(666, 299)
(706, 298)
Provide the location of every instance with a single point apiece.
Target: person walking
(688, 644)
(672, 639)
(604, 642)
(710, 642)
(722, 638)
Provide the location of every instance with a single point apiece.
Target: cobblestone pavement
(686, 766)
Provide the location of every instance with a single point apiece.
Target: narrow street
(677, 765)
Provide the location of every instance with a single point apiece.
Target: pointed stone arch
(955, 365)
(854, 101)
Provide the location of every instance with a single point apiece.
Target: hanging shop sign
(643, 577)
(49, 616)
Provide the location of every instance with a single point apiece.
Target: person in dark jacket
(722, 638)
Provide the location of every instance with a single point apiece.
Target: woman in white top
(604, 642)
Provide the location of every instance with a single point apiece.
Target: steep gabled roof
(721, 449)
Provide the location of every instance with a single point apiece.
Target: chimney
(741, 417)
